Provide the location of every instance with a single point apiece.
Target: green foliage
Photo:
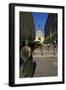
(50, 40)
(36, 46)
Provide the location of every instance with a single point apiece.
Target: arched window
(39, 38)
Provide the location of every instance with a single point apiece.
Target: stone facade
(51, 28)
(39, 35)
(27, 28)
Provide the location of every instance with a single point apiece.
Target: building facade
(51, 29)
(27, 28)
(39, 35)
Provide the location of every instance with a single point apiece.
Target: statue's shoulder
(26, 48)
(23, 47)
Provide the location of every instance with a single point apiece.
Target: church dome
(39, 35)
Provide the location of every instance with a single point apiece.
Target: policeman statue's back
(26, 56)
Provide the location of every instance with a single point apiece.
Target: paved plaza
(46, 64)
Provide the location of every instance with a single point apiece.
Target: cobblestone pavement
(46, 66)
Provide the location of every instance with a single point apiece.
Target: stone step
(44, 56)
(44, 52)
(45, 49)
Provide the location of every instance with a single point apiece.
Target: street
(45, 66)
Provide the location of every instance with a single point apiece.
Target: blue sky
(40, 19)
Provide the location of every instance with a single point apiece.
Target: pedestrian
(41, 49)
(48, 45)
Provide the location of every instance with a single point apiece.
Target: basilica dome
(39, 35)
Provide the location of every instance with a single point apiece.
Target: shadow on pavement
(34, 67)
